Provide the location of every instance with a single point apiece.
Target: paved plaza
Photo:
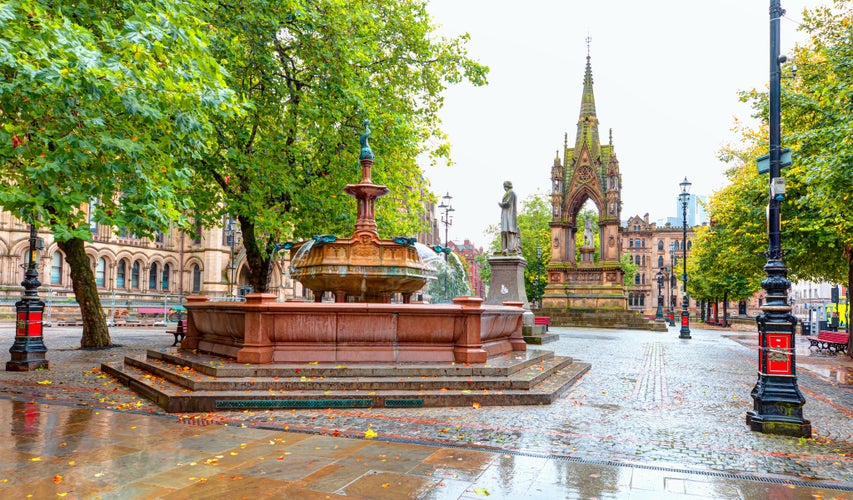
(655, 417)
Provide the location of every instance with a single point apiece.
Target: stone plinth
(507, 280)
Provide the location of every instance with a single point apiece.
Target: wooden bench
(830, 341)
(178, 332)
(542, 320)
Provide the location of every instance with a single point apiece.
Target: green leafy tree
(102, 104)
(311, 73)
(629, 269)
(817, 218)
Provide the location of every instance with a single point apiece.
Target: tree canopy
(311, 72)
(102, 106)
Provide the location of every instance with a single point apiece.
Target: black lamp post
(28, 351)
(659, 313)
(447, 220)
(231, 232)
(777, 400)
(684, 333)
(539, 291)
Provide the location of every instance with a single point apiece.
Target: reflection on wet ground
(656, 417)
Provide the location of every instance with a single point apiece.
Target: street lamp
(447, 220)
(685, 315)
(777, 400)
(659, 313)
(539, 291)
(231, 233)
(28, 351)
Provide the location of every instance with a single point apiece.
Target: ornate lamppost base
(778, 408)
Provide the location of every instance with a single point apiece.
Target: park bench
(542, 320)
(830, 341)
(178, 332)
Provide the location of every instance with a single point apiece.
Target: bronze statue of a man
(510, 237)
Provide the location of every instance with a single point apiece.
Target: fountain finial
(366, 152)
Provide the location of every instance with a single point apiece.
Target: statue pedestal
(587, 257)
(508, 284)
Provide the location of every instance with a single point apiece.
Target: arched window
(196, 279)
(134, 276)
(643, 278)
(675, 245)
(642, 299)
(660, 262)
(165, 283)
(152, 277)
(689, 244)
(121, 270)
(101, 272)
(644, 260)
(636, 279)
(56, 269)
(631, 243)
(660, 244)
(644, 243)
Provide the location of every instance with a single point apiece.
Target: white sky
(666, 75)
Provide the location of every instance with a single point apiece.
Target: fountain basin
(363, 267)
(262, 330)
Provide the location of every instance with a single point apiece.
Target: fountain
(262, 353)
(363, 267)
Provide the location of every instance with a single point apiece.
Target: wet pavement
(655, 417)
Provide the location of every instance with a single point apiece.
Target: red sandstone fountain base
(262, 330)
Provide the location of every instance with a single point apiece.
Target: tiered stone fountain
(268, 354)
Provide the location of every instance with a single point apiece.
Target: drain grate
(404, 403)
(242, 404)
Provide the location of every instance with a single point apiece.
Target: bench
(830, 341)
(178, 332)
(542, 320)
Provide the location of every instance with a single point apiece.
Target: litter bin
(806, 328)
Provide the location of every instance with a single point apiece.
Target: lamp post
(447, 220)
(659, 313)
(28, 351)
(539, 290)
(777, 400)
(231, 232)
(684, 333)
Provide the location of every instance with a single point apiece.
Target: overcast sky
(666, 76)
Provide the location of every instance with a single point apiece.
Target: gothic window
(196, 279)
(644, 243)
(101, 272)
(56, 269)
(165, 283)
(637, 260)
(152, 277)
(644, 260)
(134, 276)
(689, 244)
(660, 261)
(660, 244)
(636, 279)
(642, 299)
(120, 273)
(643, 278)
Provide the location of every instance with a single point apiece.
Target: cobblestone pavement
(650, 400)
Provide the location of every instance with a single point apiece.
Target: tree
(817, 220)
(102, 104)
(629, 269)
(312, 72)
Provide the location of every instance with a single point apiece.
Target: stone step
(215, 366)
(177, 399)
(187, 377)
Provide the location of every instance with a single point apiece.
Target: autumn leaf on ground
(476, 405)
(481, 491)
(57, 479)
(370, 434)
(44, 382)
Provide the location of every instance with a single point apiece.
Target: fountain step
(176, 399)
(188, 378)
(216, 366)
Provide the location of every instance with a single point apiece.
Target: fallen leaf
(57, 479)
(35, 459)
(481, 491)
(44, 382)
(476, 405)
(386, 485)
(370, 434)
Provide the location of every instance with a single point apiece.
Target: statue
(366, 152)
(510, 237)
(588, 238)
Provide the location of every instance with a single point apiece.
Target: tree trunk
(95, 332)
(260, 267)
(849, 253)
(726, 309)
